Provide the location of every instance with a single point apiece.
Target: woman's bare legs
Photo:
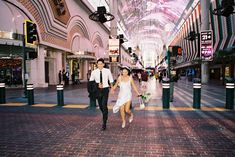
(127, 109)
(122, 113)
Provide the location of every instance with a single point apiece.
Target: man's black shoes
(103, 127)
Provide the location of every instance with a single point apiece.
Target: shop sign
(113, 47)
(206, 45)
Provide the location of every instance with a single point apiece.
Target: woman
(123, 103)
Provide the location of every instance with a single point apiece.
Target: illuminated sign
(206, 45)
(113, 47)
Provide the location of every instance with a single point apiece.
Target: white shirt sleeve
(92, 78)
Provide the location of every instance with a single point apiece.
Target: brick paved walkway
(51, 132)
(46, 130)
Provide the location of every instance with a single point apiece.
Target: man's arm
(110, 79)
(116, 84)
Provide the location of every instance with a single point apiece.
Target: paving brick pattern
(27, 131)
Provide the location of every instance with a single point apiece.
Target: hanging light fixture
(101, 15)
(226, 8)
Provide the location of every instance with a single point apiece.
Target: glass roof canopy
(149, 23)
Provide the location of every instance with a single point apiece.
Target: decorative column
(59, 66)
(205, 10)
(113, 23)
(113, 31)
(40, 67)
(85, 69)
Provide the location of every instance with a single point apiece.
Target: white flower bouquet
(146, 97)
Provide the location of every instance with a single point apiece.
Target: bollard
(197, 93)
(60, 95)
(2, 93)
(229, 95)
(30, 94)
(165, 93)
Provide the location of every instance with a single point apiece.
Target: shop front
(11, 71)
(81, 64)
(11, 62)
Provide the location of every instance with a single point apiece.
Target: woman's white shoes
(123, 124)
(130, 120)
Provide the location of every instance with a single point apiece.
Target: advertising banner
(113, 47)
(206, 45)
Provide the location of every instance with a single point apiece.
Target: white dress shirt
(106, 75)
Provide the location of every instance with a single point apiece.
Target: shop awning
(12, 49)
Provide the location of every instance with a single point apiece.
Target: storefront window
(11, 71)
(226, 74)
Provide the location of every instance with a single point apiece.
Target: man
(102, 76)
(60, 77)
(144, 78)
(73, 77)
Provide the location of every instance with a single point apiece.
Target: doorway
(46, 71)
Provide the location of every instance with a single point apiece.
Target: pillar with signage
(114, 43)
(206, 45)
(204, 9)
(114, 52)
(206, 49)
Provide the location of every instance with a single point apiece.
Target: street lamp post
(29, 37)
(24, 62)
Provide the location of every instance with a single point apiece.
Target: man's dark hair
(100, 60)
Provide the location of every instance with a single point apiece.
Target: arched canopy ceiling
(150, 19)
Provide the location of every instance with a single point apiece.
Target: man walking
(102, 76)
(60, 76)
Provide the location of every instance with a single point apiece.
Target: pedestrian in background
(63, 77)
(73, 77)
(144, 80)
(60, 76)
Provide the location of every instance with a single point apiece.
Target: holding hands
(112, 90)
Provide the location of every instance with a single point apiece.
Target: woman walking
(123, 103)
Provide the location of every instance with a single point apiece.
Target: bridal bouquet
(146, 97)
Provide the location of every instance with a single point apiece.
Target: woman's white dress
(124, 95)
